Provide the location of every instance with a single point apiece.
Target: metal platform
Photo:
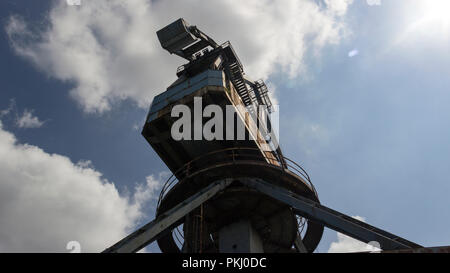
(278, 186)
(211, 86)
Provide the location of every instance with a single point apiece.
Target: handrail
(189, 167)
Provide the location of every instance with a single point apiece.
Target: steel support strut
(331, 218)
(150, 232)
(300, 205)
(299, 246)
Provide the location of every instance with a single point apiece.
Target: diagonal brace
(298, 244)
(331, 218)
(148, 233)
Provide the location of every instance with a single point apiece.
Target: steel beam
(148, 233)
(299, 246)
(331, 218)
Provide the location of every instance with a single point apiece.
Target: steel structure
(229, 195)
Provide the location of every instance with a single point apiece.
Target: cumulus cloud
(348, 244)
(47, 201)
(109, 50)
(28, 120)
(339, 7)
(149, 191)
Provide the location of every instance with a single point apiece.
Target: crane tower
(230, 194)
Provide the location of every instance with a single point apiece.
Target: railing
(180, 69)
(232, 155)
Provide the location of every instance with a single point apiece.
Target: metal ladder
(239, 84)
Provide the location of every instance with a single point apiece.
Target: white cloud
(353, 53)
(27, 120)
(338, 6)
(73, 2)
(47, 201)
(348, 244)
(85, 164)
(373, 2)
(149, 191)
(110, 52)
(11, 107)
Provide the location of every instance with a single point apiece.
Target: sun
(426, 21)
(437, 11)
(432, 18)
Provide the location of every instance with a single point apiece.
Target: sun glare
(431, 18)
(437, 11)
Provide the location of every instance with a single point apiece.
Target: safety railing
(232, 155)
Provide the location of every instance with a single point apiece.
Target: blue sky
(371, 127)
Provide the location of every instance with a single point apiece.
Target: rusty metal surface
(177, 153)
(185, 88)
(330, 218)
(214, 167)
(149, 232)
(233, 155)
